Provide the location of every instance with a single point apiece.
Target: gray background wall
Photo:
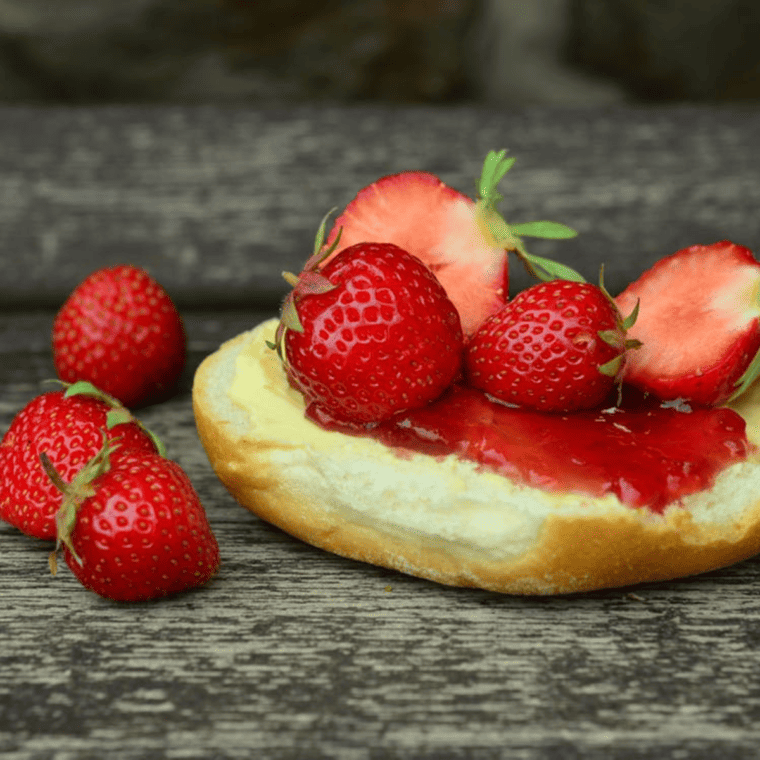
(283, 51)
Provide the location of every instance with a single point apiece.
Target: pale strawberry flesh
(419, 213)
(699, 323)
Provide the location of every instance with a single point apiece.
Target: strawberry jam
(645, 453)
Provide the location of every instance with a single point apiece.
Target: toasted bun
(444, 519)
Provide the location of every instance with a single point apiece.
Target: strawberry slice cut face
(416, 211)
(699, 323)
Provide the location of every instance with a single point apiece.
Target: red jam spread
(646, 453)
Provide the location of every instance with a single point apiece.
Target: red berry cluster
(78, 468)
(370, 329)
(385, 338)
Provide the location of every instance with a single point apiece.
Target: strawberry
(369, 334)
(133, 528)
(699, 323)
(558, 346)
(464, 242)
(67, 425)
(120, 331)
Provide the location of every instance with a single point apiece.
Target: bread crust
(573, 543)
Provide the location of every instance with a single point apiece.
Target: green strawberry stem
(509, 236)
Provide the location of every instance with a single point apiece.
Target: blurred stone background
(570, 52)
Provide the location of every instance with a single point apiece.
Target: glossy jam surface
(646, 454)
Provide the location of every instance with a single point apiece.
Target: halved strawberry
(699, 323)
(464, 242)
(419, 213)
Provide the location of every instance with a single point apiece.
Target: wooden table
(291, 652)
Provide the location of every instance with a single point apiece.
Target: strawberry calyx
(309, 282)
(509, 236)
(118, 414)
(611, 338)
(747, 378)
(618, 338)
(75, 494)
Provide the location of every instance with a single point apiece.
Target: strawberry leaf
(748, 378)
(545, 229)
(612, 367)
(52, 473)
(289, 317)
(508, 236)
(319, 255)
(290, 278)
(626, 323)
(312, 283)
(503, 234)
(546, 269)
(122, 416)
(495, 166)
(118, 415)
(319, 239)
(612, 338)
(83, 388)
(630, 320)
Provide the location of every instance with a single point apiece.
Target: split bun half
(446, 519)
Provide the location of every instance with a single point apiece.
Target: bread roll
(448, 520)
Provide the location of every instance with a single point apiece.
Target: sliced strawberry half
(699, 324)
(416, 211)
(462, 241)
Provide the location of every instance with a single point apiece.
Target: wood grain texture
(217, 202)
(294, 653)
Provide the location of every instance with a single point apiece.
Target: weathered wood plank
(290, 652)
(294, 653)
(217, 202)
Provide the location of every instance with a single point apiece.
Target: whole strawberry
(558, 346)
(120, 331)
(369, 334)
(134, 529)
(68, 426)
